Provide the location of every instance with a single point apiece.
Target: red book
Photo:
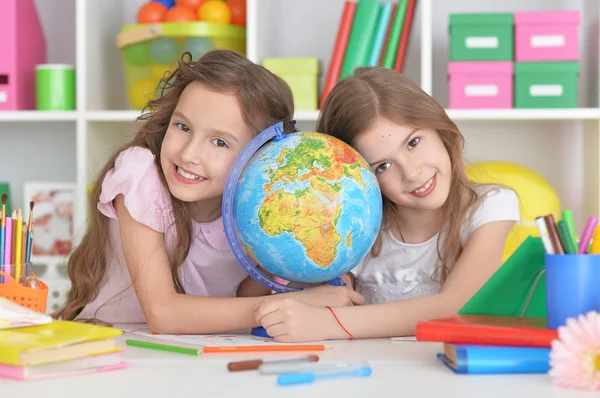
(410, 11)
(488, 330)
(339, 50)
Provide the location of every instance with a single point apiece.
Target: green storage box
(481, 37)
(302, 75)
(546, 84)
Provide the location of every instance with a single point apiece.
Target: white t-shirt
(404, 270)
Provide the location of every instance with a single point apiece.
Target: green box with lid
(546, 84)
(302, 75)
(481, 37)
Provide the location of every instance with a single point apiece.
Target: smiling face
(412, 165)
(206, 133)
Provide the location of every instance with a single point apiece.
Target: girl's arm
(288, 320)
(169, 312)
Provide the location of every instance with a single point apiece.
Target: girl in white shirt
(442, 237)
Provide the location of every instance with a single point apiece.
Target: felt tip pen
(359, 370)
(273, 368)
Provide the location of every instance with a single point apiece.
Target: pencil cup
(35, 299)
(572, 286)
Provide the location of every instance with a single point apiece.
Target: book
(361, 36)
(75, 367)
(381, 29)
(339, 49)
(13, 315)
(485, 359)
(517, 288)
(405, 36)
(55, 342)
(484, 329)
(394, 35)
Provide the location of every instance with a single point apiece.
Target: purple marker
(586, 236)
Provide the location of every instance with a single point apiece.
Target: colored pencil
(14, 237)
(225, 349)
(3, 234)
(164, 347)
(8, 245)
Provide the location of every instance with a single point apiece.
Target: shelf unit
(562, 145)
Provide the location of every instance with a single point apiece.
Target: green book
(364, 27)
(391, 49)
(518, 288)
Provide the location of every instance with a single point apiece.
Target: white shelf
(524, 114)
(113, 116)
(37, 116)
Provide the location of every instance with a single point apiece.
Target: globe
(305, 206)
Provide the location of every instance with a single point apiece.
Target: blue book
(485, 359)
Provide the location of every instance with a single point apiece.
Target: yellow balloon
(536, 196)
(141, 92)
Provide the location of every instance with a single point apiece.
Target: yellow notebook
(54, 342)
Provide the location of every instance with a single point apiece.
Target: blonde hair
(354, 105)
(264, 98)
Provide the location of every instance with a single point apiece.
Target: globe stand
(274, 132)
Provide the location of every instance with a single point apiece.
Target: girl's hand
(288, 320)
(323, 295)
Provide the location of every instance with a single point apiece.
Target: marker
(565, 235)
(567, 215)
(358, 370)
(553, 233)
(541, 226)
(287, 368)
(586, 236)
(595, 249)
(256, 363)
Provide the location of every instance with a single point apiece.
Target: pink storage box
(481, 84)
(547, 36)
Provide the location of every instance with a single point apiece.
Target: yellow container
(151, 50)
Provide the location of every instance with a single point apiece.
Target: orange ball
(215, 11)
(151, 13)
(180, 14)
(193, 4)
(238, 11)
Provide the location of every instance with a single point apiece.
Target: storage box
(302, 75)
(547, 36)
(481, 84)
(546, 84)
(481, 37)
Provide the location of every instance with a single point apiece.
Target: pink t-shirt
(210, 268)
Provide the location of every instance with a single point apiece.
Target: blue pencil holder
(572, 286)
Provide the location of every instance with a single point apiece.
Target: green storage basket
(150, 50)
(546, 84)
(481, 37)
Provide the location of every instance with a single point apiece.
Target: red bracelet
(340, 323)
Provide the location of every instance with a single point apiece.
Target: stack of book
(370, 33)
(34, 346)
(484, 344)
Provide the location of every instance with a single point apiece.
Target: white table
(400, 369)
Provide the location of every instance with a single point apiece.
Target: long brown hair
(264, 98)
(354, 105)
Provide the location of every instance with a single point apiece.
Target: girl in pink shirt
(155, 250)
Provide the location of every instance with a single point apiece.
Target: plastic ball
(198, 46)
(141, 92)
(194, 4)
(215, 11)
(238, 12)
(151, 13)
(137, 54)
(180, 14)
(166, 3)
(164, 50)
